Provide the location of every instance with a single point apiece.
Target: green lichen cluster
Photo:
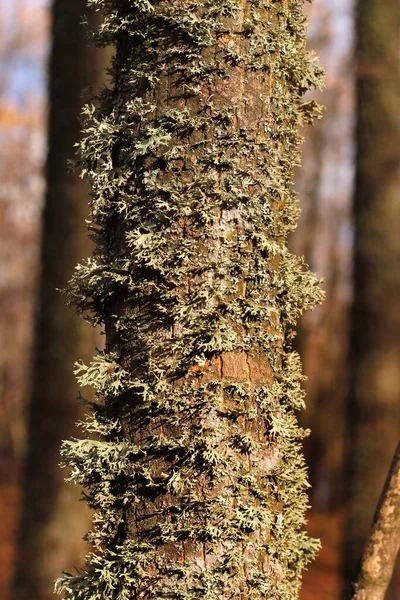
(192, 452)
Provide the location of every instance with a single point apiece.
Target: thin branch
(383, 544)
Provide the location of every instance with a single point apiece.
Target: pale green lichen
(197, 479)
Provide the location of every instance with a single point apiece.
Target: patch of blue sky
(26, 72)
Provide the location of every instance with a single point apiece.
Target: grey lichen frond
(192, 453)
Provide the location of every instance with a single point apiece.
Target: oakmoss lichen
(192, 458)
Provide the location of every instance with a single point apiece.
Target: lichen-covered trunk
(52, 523)
(197, 478)
(374, 408)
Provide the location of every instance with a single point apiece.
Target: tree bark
(52, 524)
(383, 544)
(374, 399)
(197, 480)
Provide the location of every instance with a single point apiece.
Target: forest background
(324, 236)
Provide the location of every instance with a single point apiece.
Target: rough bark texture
(197, 478)
(52, 523)
(383, 544)
(374, 408)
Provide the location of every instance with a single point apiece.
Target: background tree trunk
(52, 522)
(325, 185)
(374, 402)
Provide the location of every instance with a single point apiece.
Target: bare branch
(383, 544)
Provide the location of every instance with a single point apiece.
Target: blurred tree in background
(52, 521)
(323, 236)
(374, 401)
(23, 40)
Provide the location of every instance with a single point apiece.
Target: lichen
(192, 460)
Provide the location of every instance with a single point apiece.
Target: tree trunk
(374, 403)
(52, 524)
(197, 478)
